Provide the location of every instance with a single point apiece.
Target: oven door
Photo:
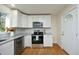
(33, 39)
(37, 39)
(41, 39)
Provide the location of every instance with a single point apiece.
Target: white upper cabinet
(46, 19)
(30, 21)
(24, 21)
(18, 19)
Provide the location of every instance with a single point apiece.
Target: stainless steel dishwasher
(18, 45)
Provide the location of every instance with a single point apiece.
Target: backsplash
(19, 31)
(31, 30)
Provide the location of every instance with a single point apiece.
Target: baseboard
(65, 52)
(61, 48)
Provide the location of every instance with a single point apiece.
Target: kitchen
(34, 29)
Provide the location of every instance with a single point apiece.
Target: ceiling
(41, 8)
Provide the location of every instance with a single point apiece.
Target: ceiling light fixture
(13, 5)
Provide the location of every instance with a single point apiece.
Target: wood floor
(55, 50)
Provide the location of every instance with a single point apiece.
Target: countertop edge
(10, 39)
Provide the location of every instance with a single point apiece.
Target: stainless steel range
(37, 37)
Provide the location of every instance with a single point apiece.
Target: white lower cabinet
(7, 48)
(27, 41)
(48, 41)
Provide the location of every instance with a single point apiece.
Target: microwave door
(37, 24)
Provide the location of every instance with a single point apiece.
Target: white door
(70, 32)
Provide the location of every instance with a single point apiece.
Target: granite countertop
(12, 38)
(17, 36)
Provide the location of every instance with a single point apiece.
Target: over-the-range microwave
(37, 24)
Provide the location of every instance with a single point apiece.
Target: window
(2, 21)
(68, 17)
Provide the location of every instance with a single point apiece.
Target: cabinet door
(30, 21)
(27, 41)
(7, 48)
(37, 18)
(47, 20)
(48, 41)
(19, 19)
(16, 20)
(24, 21)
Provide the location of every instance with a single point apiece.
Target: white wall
(54, 28)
